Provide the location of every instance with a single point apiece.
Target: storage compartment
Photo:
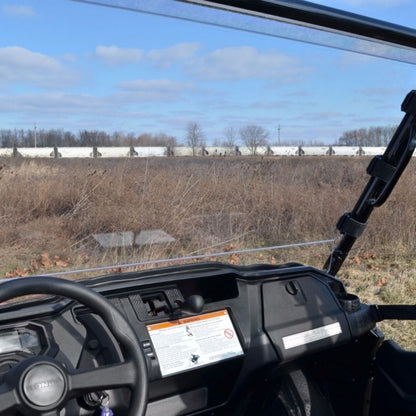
(301, 316)
(394, 381)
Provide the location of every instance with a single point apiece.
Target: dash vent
(149, 305)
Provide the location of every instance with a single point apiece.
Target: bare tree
(94, 138)
(372, 136)
(194, 136)
(118, 138)
(254, 136)
(7, 138)
(69, 139)
(230, 138)
(160, 139)
(386, 134)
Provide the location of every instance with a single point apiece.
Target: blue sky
(76, 66)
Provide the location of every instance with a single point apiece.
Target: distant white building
(346, 150)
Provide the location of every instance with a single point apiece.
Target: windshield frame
(298, 20)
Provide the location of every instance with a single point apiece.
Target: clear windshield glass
(286, 28)
(130, 138)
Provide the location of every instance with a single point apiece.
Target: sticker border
(312, 335)
(192, 319)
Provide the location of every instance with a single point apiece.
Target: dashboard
(208, 332)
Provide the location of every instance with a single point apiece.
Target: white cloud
(113, 55)
(61, 110)
(245, 62)
(19, 11)
(52, 103)
(69, 57)
(152, 84)
(20, 65)
(74, 105)
(77, 111)
(353, 60)
(164, 58)
(321, 115)
(379, 92)
(267, 105)
(151, 90)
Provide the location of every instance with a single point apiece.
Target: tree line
(251, 136)
(254, 136)
(84, 138)
(372, 136)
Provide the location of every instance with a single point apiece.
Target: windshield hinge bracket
(378, 168)
(409, 103)
(348, 225)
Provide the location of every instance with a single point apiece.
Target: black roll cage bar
(385, 171)
(320, 17)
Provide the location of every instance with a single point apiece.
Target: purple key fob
(106, 411)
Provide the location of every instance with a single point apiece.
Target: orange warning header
(187, 320)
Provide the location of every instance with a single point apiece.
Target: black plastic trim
(324, 17)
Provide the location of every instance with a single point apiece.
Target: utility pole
(35, 134)
(278, 135)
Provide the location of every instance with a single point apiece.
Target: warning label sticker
(316, 334)
(195, 341)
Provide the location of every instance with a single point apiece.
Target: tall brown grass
(55, 206)
(49, 210)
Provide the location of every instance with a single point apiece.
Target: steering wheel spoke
(51, 413)
(8, 398)
(9, 401)
(102, 378)
(42, 385)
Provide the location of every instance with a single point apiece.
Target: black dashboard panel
(277, 314)
(302, 315)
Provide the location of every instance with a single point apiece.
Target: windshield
(136, 139)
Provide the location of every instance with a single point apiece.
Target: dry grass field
(50, 209)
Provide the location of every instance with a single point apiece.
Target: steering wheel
(42, 385)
